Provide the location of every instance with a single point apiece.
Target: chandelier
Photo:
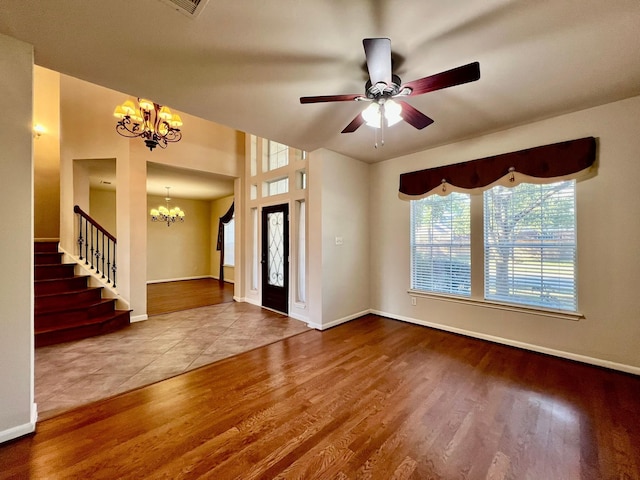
(167, 214)
(150, 121)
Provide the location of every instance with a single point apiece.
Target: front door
(275, 257)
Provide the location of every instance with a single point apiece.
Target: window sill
(574, 316)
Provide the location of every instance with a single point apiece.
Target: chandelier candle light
(166, 214)
(152, 122)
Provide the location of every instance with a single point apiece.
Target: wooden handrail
(84, 214)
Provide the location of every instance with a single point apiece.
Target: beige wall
(339, 239)
(205, 146)
(218, 208)
(17, 407)
(102, 208)
(608, 238)
(182, 250)
(46, 153)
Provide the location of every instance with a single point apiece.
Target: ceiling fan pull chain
(375, 135)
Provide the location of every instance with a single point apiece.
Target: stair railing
(99, 246)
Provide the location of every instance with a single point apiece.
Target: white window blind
(441, 245)
(530, 245)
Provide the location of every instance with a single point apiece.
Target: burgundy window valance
(545, 164)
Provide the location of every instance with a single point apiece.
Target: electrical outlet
(339, 241)
(413, 301)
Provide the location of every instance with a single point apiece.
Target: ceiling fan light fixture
(383, 86)
(392, 112)
(371, 115)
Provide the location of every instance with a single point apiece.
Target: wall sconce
(38, 130)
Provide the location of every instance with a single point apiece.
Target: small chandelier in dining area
(154, 123)
(166, 213)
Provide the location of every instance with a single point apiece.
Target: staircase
(66, 307)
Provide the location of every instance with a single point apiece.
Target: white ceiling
(245, 63)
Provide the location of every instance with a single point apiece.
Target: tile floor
(76, 373)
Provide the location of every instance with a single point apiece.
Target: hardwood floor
(373, 398)
(169, 297)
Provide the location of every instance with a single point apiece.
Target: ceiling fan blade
(378, 53)
(413, 116)
(331, 98)
(455, 76)
(354, 125)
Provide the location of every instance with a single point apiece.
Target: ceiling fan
(383, 89)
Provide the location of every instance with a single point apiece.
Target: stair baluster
(102, 258)
(89, 235)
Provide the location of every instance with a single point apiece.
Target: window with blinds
(441, 244)
(530, 245)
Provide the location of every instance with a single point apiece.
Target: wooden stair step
(47, 258)
(74, 315)
(63, 301)
(89, 321)
(60, 285)
(93, 327)
(63, 270)
(65, 307)
(45, 246)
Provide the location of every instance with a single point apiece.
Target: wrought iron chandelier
(152, 122)
(167, 214)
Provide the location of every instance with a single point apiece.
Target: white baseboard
(299, 318)
(514, 343)
(165, 280)
(338, 321)
(139, 318)
(252, 301)
(21, 430)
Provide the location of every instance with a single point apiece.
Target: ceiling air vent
(190, 8)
